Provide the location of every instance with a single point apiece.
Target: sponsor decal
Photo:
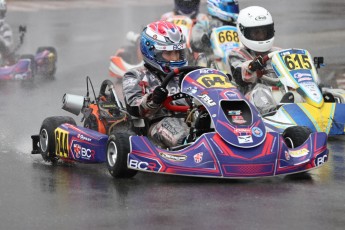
(245, 139)
(193, 90)
(238, 119)
(206, 71)
(231, 95)
(208, 101)
(303, 77)
(257, 132)
(179, 46)
(234, 112)
(198, 157)
(155, 36)
(299, 153)
(141, 165)
(243, 130)
(83, 153)
(260, 18)
(287, 155)
(321, 160)
(82, 137)
(173, 157)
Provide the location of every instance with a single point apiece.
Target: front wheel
(295, 136)
(117, 151)
(47, 136)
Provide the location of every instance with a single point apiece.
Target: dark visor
(258, 33)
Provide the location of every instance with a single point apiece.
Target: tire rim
(44, 140)
(112, 153)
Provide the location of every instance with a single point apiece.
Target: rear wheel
(295, 136)
(47, 136)
(50, 69)
(117, 151)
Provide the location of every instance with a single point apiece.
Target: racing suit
(248, 82)
(6, 43)
(163, 129)
(201, 32)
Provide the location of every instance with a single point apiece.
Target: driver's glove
(256, 64)
(159, 95)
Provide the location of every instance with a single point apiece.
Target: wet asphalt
(37, 195)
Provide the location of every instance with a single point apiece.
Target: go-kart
(223, 39)
(295, 72)
(228, 138)
(42, 63)
(21, 70)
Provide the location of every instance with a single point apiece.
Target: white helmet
(3, 9)
(256, 28)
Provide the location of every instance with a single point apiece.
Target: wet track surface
(37, 195)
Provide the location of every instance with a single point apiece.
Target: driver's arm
(137, 95)
(240, 70)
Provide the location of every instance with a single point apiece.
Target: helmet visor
(259, 33)
(229, 7)
(170, 56)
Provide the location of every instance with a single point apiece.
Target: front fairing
(329, 118)
(234, 118)
(223, 40)
(19, 71)
(211, 156)
(295, 69)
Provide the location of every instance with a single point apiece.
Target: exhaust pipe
(72, 103)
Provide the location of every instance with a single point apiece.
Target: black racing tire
(52, 72)
(295, 136)
(47, 136)
(117, 151)
(33, 66)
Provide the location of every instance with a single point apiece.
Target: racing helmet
(159, 38)
(3, 9)
(256, 28)
(225, 10)
(188, 8)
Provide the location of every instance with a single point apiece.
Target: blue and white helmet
(161, 36)
(225, 10)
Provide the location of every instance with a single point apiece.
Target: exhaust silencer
(72, 103)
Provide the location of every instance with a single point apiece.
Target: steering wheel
(168, 102)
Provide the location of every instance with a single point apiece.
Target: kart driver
(220, 13)
(6, 36)
(256, 32)
(163, 47)
(189, 8)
